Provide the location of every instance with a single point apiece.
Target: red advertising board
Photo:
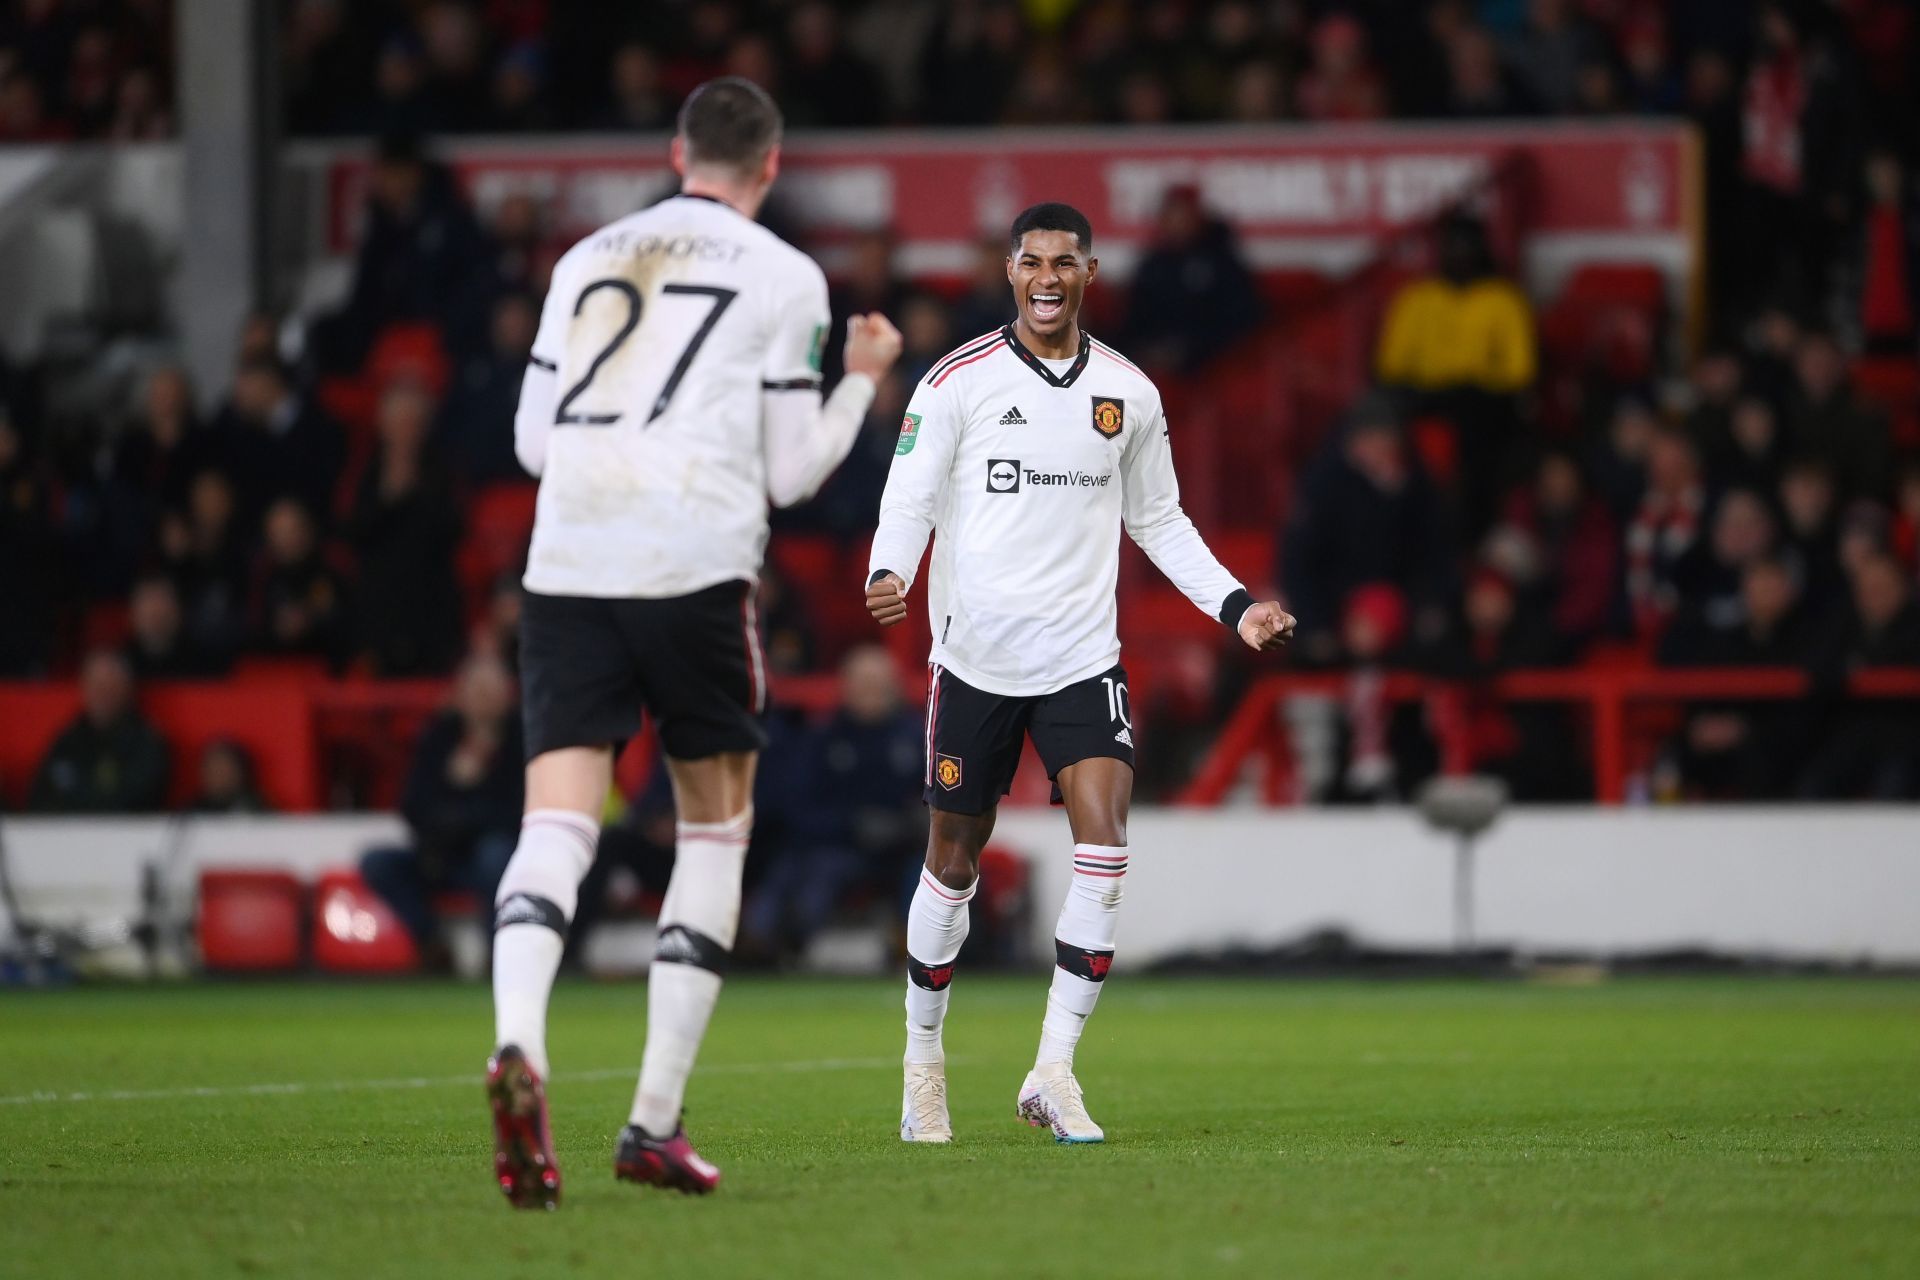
(1297, 195)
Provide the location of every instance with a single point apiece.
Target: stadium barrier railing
(1256, 736)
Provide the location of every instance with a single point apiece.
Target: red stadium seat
(274, 722)
(250, 920)
(355, 932)
(499, 525)
(34, 715)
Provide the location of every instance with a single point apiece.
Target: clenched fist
(887, 601)
(1266, 626)
(873, 344)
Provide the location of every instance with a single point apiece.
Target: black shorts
(974, 738)
(589, 667)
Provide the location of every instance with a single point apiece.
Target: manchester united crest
(1109, 416)
(946, 771)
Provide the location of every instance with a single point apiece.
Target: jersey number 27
(722, 298)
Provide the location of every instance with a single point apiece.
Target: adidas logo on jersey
(1012, 418)
(1124, 738)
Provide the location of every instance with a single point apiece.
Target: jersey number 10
(722, 298)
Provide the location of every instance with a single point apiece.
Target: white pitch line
(421, 1082)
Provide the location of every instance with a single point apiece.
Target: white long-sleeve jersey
(1024, 470)
(674, 389)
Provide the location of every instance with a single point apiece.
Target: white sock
(936, 927)
(1083, 948)
(532, 909)
(697, 924)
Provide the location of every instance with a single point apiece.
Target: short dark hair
(1052, 216)
(729, 121)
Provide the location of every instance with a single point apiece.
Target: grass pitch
(1697, 1127)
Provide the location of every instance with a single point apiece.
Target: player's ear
(1009, 268)
(1093, 268)
(677, 150)
(770, 167)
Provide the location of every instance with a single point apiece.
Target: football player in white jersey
(1027, 450)
(674, 389)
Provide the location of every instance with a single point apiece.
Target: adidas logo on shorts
(1124, 738)
(1012, 418)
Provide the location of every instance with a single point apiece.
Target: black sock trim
(530, 908)
(680, 945)
(930, 977)
(1082, 963)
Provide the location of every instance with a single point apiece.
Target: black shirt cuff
(1235, 607)
(877, 575)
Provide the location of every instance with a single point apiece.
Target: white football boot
(923, 1104)
(1051, 1097)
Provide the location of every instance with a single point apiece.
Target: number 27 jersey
(661, 335)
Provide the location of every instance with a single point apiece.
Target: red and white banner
(1298, 196)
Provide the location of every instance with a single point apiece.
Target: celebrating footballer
(1026, 450)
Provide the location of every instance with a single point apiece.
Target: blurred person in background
(1557, 544)
(1734, 749)
(1478, 85)
(1461, 343)
(204, 553)
(1826, 420)
(1192, 296)
(1341, 84)
(825, 82)
(1365, 513)
(985, 306)
(856, 819)
(226, 781)
(157, 453)
(273, 441)
(29, 551)
(461, 805)
(404, 529)
(1661, 543)
(637, 101)
(158, 646)
(1809, 505)
(1889, 257)
(109, 759)
(476, 421)
(300, 601)
(1551, 51)
(1870, 750)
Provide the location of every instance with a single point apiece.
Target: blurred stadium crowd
(1482, 509)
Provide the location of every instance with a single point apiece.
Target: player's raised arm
(805, 438)
(921, 460)
(540, 388)
(1155, 520)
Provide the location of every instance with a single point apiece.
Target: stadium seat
(250, 920)
(499, 525)
(274, 722)
(355, 932)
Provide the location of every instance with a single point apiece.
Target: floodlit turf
(1662, 1127)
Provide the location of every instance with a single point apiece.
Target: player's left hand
(1267, 626)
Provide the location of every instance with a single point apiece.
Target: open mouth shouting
(1046, 307)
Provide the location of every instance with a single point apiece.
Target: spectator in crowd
(790, 633)
(988, 302)
(109, 759)
(203, 552)
(1744, 749)
(1379, 749)
(1558, 547)
(461, 804)
(1889, 257)
(1826, 420)
(1662, 540)
(1551, 52)
(637, 99)
(227, 784)
(972, 61)
(476, 422)
(523, 257)
(1341, 84)
(1192, 296)
(869, 283)
(1809, 506)
(498, 634)
(1461, 343)
(423, 257)
(300, 602)
(1870, 750)
(1478, 85)
(158, 647)
(519, 91)
(404, 529)
(29, 564)
(1742, 533)
(275, 442)
(855, 817)
(1366, 514)
(825, 82)
(157, 454)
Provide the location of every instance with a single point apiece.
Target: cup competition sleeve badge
(909, 434)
